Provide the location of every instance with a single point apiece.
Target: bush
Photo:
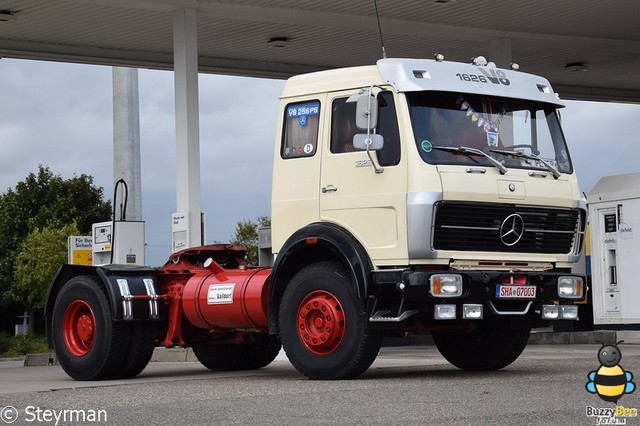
(14, 346)
(5, 342)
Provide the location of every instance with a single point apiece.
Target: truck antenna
(384, 53)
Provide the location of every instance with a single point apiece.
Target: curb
(40, 360)
(173, 354)
(20, 358)
(608, 337)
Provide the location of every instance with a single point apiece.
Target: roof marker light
(480, 61)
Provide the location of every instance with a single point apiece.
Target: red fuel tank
(216, 298)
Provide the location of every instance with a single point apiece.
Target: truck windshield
(494, 125)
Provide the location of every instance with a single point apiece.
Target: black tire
(344, 345)
(492, 346)
(259, 353)
(242, 356)
(89, 345)
(218, 357)
(142, 342)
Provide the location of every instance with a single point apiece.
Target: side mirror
(366, 111)
(366, 142)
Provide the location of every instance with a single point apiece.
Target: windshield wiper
(532, 156)
(472, 151)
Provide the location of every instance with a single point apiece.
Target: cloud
(603, 139)
(237, 128)
(57, 115)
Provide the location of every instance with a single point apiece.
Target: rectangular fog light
(444, 312)
(569, 312)
(550, 312)
(472, 311)
(445, 285)
(570, 287)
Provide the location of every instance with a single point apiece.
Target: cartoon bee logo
(610, 381)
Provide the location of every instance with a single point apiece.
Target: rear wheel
(492, 346)
(324, 326)
(89, 345)
(217, 357)
(257, 353)
(142, 342)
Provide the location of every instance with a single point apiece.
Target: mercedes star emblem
(511, 230)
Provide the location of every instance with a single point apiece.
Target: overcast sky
(60, 115)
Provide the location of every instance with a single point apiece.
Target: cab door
(296, 169)
(370, 205)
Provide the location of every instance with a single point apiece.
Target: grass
(15, 346)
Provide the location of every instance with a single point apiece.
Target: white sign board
(180, 231)
(80, 250)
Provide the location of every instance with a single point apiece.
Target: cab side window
(300, 133)
(343, 128)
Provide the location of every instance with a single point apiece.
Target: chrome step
(380, 316)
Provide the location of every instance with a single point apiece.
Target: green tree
(41, 254)
(246, 234)
(44, 200)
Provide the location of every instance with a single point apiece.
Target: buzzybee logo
(610, 382)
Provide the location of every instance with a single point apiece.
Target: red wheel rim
(320, 322)
(79, 328)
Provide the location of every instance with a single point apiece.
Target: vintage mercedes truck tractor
(410, 196)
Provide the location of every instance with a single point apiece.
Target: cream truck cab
(421, 195)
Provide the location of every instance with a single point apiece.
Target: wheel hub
(320, 322)
(85, 328)
(79, 328)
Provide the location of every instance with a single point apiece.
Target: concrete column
(500, 52)
(126, 142)
(185, 59)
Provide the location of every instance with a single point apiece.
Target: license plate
(515, 291)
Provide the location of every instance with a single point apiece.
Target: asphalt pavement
(405, 385)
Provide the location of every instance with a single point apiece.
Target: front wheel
(324, 326)
(491, 346)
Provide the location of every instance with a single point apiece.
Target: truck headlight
(445, 285)
(472, 311)
(444, 312)
(569, 312)
(550, 312)
(557, 312)
(570, 287)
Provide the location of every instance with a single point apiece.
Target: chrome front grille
(507, 228)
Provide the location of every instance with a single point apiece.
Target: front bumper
(482, 293)
(483, 285)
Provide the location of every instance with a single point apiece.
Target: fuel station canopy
(588, 49)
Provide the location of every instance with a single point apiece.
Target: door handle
(329, 188)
